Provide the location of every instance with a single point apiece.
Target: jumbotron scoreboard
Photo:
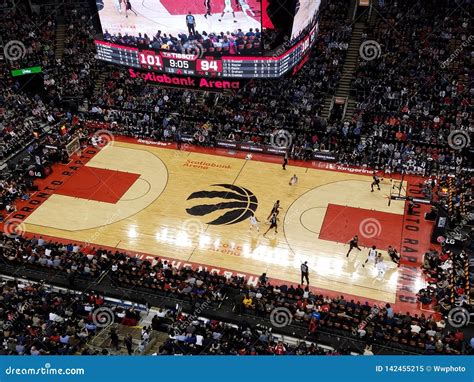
(234, 40)
(208, 66)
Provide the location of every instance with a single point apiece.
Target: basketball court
(192, 206)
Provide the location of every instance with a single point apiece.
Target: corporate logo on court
(235, 205)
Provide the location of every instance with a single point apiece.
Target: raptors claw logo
(240, 204)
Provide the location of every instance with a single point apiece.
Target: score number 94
(208, 66)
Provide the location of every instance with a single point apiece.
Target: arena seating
(416, 92)
(374, 324)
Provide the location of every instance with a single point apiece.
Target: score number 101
(151, 59)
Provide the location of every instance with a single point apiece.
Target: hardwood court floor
(157, 216)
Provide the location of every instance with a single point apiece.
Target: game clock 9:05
(180, 64)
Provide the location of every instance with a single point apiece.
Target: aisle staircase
(100, 80)
(101, 77)
(60, 37)
(350, 65)
(327, 106)
(351, 62)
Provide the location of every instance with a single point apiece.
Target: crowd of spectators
(211, 337)
(223, 43)
(199, 287)
(74, 74)
(412, 88)
(11, 189)
(29, 41)
(448, 284)
(31, 38)
(32, 43)
(36, 320)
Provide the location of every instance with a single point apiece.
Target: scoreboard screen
(161, 19)
(306, 13)
(207, 66)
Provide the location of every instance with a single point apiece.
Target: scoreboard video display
(218, 40)
(207, 66)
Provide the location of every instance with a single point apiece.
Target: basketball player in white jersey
(372, 256)
(246, 8)
(254, 223)
(380, 265)
(228, 9)
(293, 180)
(117, 4)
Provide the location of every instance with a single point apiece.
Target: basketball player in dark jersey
(394, 255)
(285, 161)
(273, 223)
(128, 7)
(354, 243)
(275, 209)
(207, 4)
(376, 182)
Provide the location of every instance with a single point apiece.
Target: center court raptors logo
(238, 203)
